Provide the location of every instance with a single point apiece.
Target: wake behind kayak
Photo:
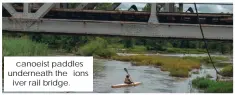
(126, 85)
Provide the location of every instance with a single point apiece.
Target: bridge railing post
(153, 15)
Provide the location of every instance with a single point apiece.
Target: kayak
(125, 85)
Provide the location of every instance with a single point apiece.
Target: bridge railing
(163, 17)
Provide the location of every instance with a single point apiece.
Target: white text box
(48, 74)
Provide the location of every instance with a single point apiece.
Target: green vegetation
(196, 72)
(73, 43)
(97, 47)
(227, 71)
(208, 76)
(135, 49)
(211, 86)
(23, 47)
(206, 59)
(177, 67)
(185, 50)
(207, 62)
(179, 72)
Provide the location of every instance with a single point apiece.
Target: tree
(147, 7)
(129, 43)
(225, 48)
(103, 6)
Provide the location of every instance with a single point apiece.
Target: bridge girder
(9, 8)
(23, 22)
(153, 14)
(166, 30)
(26, 11)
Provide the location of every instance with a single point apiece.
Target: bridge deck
(187, 18)
(119, 28)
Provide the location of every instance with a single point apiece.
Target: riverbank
(178, 67)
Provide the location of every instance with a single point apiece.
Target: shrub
(208, 76)
(106, 53)
(137, 49)
(211, 86)
(201, 83)
(227, 71)
(220, 87)
(185, 50)
(97, 47)
(179, 73)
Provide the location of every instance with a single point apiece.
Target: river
(111, 72)
(153, 79)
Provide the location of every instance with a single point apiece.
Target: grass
(23, 47)
(211, 86)
(140, 49)
(179, 72)
(206, 59)
(227, 71)
(207, 62)
(185, 50)
(137, 49)
(177, 67)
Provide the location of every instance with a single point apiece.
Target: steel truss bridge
(83, 18)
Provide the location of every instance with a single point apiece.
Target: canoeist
(128, 80)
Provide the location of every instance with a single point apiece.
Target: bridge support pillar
(153, 15)
(57, 5)
(27, 8)
(169, 7)
(181, 7)
(166, 7)
(172, 7)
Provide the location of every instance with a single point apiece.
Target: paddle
(128, 73)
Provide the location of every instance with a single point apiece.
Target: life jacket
(127, 80)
